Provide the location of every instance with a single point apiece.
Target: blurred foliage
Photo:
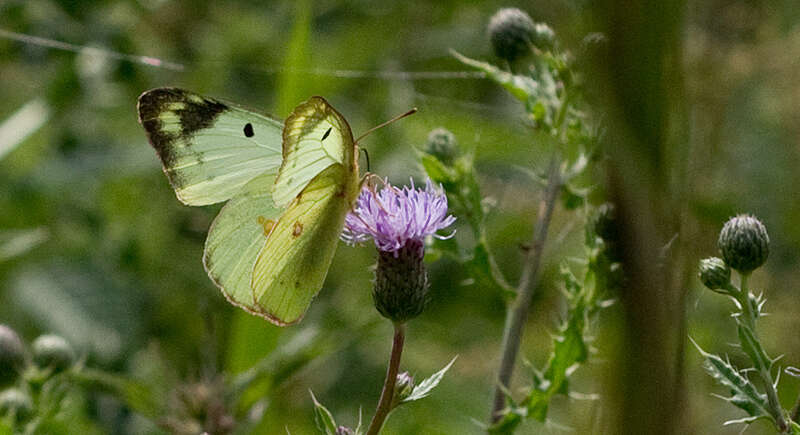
(95, 247)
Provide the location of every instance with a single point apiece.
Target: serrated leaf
(323, 417)
(436, 170)
(744, 394)
(521, 87)
(424, 388)
(752, 347)
(568, 349)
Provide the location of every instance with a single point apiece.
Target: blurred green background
(105, 255)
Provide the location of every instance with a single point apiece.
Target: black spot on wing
(197, 113)
(326, 134)
(248, 130)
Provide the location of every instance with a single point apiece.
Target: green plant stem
(385, 402)
(750, 317)
(518, 312)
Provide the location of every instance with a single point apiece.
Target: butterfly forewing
(294, 261)
(209, 149)
(315, 136)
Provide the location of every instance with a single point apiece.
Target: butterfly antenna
(396, 118)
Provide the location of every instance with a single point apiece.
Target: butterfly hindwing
(209, 149)
(315, 136)
(292, 265)
(236, 237)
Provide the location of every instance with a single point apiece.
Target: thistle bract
(714, 273)
(744, 243)
(398, 220)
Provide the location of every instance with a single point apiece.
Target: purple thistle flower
(392, 217)
(398, 220)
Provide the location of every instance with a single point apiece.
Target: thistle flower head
(398, 220)
(393, 217)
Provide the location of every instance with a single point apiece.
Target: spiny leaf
(744, 393)
(568, 350)
(424, 388)
(323, 417)
(521, 87)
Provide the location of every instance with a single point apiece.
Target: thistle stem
(518, 312)
(385, 402)
(750, 318)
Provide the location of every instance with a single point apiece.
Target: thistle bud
(511, 32)
(715, 274)
(744, 243)
(52, 352)
(543, 36)
(344, 430)
(16, 402)
(442, 145)
(12, 356)
(401, 282)
(403, 386)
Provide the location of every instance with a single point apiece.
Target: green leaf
(14, 243)
(744, 394)
(569, 349)
(323, 417)
(424, 388)
(522, 88)
(752, 347)
(436, 170)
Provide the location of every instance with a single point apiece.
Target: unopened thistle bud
(543, 36)
(344, 430)
(398, 220)
(715, 274)
(12, 356)
(403, 387)
(52, 352)
(511, 32)
(16, 402)
(744, 243)
(442, 145)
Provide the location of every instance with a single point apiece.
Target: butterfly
(288, 187)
